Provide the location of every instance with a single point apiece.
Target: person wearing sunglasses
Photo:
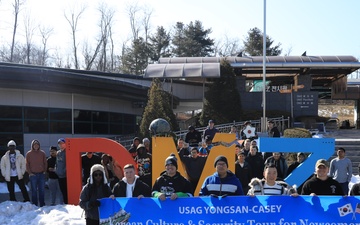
(95, 189)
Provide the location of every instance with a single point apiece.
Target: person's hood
(125, 180)
(141, 150)
(97, 167)
(33, 142)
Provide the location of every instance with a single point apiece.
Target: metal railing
(281, 122)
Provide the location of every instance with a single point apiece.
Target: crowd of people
(255, 173)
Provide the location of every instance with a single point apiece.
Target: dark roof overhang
(70, 81)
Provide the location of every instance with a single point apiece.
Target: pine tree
(253, 44)
(159, 44)
(158, 106)
(135, 58)
(222, 100)
(192, 40)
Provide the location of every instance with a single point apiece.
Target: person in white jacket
(13, 169)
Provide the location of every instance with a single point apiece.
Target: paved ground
(5, 196)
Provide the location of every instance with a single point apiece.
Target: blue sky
(317, 26)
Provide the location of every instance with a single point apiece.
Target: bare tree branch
(73, 19)
(16, 5)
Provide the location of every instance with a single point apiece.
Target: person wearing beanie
(36, 166)
(223, 182)
(171, 184)
(95, 188)
(13, 168)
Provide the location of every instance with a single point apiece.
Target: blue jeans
(54, 191)
(37, 182)
(345, 187)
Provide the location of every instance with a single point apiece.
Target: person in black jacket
(131, 185)
(171, 183)
(243, 171)
(53, 178)
(95, 189)
(321, 183)
(193, 137)
(87, 161)
(194, 165)
(273, 131)
(143, 161)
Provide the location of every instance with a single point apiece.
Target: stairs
(349, 139)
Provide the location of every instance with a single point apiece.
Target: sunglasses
(97, 174)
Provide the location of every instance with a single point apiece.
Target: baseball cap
(211, 121)
(61, 140)
(322, 162)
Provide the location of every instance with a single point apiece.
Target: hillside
(343, 110)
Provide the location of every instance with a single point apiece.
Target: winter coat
(281, 166)
(258, 187)
(140, 188)
(214, 185)
(91, 192)
(169, 185)
(20, 165)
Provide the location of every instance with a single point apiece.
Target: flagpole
(264, 73)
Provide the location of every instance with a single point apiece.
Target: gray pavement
(19, 197)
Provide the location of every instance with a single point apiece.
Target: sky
(320, 27)
(14, 213)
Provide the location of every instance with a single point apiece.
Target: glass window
(82, 115)
(82, 128)
(5, 138)
(116, 118)
(60, 127)
(116, 129)
(129, 129)
(129, 119)
(36, 113)
(11, 126)
(100, 117)
(100, 128)
(39, 126)
(60, 114)
(11, 112)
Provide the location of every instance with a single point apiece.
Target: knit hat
(61, 140)
(221, 158)
(12, 142)
(171, 160)
(97, 167)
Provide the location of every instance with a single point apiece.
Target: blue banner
(242, 210)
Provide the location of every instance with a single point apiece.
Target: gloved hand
(94, 203)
